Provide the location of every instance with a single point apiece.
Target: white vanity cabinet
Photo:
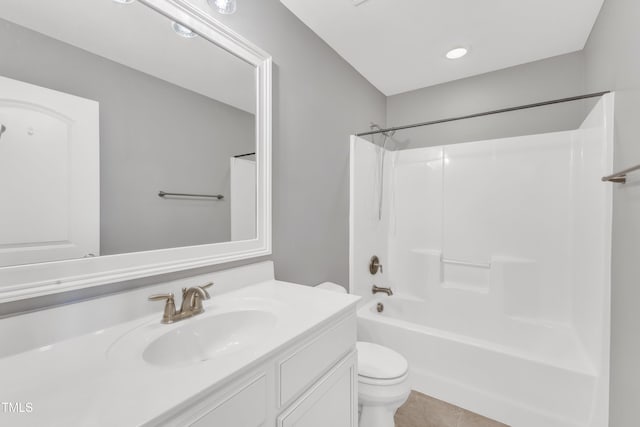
(267, 354)
(310, 381)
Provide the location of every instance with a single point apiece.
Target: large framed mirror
(135, 140)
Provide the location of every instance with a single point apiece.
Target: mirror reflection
(122, 132)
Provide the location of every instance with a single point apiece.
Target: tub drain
(380, 307)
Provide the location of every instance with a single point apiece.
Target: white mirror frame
(33, 280)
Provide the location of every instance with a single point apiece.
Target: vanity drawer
(246, 407)
(310, 361)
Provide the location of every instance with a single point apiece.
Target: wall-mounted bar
(465, 263)
(244, 155)
(199, 196)
(620, 177)
(486, 113)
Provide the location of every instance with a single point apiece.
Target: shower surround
(498, 253)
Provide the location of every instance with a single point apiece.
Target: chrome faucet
(191, 303)
(375, 289)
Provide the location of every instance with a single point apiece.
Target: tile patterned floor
(421, 410)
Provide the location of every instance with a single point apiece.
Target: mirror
(132, 133)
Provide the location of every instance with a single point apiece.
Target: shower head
(375, 126)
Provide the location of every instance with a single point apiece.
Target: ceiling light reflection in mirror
(226, 7)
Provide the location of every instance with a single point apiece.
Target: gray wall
(613, 62)
(153, 136)
(552, 78)
(319, 100)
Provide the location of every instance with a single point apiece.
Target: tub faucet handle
(374, 265)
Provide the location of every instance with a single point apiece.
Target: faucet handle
(197, 297)
(204, 289)
(169, 309)
(374, 265)
(160, 297)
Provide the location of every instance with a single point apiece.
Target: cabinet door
(246, 407)
(308, 363)
(332, 401)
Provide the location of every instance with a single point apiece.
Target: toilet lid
(376, 361)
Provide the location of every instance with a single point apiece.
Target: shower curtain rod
(486, 113)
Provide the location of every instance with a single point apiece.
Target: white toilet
(383, 384)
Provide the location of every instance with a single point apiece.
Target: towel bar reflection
(199, 196)
(620, 177)
(465, 263)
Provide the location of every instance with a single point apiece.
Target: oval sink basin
(201, 339)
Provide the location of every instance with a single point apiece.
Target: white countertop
(82, 381)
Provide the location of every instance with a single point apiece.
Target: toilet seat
(379, 365)
(382, 382)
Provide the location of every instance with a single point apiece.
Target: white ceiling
(400, 45)
(140, 38)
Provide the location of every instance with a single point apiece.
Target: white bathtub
(519, 372)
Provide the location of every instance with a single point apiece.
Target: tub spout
(375, 289)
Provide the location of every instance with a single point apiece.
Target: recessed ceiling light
(183, 31)
(457, 53)
(123, 1)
